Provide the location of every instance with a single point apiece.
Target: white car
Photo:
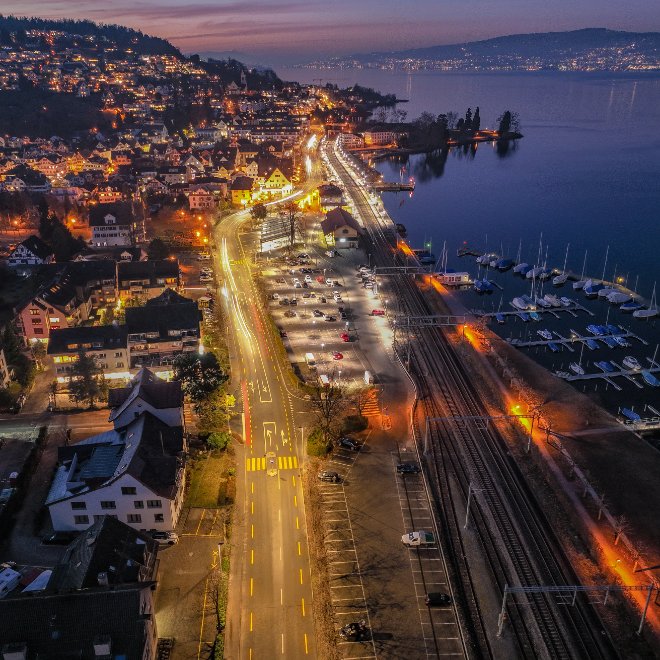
(165, 538)
(308, 279)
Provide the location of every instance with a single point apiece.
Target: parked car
(293, 301)
(377, 312)
(437, 599)
(327, 475)
(354, 631)
(344, 336)
(280, 280)
(348, 443)
(330, 318)
(283, 333)
(337, 356)
(289, 313)
(318, 313)
(408, 468)
(165, 538)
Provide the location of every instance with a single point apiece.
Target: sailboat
(576, 367)
(581, 282)
(650, 312)
(650, 379)
(561, 279)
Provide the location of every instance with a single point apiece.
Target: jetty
(554, 311)
(568, 341)
(607, 376)
(393, 186)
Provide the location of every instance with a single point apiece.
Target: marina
(576, 338)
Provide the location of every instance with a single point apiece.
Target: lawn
(211, 480)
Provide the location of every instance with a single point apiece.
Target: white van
(309, 359)
(324, 381)
(368, 378)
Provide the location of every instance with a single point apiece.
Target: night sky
(276, 31)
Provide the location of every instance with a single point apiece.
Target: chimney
(14, 651)
(102, 646)
(102, 579)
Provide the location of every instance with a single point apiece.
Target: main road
(270, 599)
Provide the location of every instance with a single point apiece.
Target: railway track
(519, 545)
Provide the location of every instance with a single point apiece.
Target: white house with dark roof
(135, 474)
(340, 229)
(31, 252)
(147, 393)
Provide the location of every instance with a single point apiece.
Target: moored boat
(631, 362)
(546, 334)
(591, 344)
(606, 291)
(618, 297)
(535, 316)
(567, 302)
(629, 307)
(524, 316)
(630, 414)
(519, 268)
(534, 272)
(500, 318)
(650, 379)
(576, 368)
(555, 348)
(552, 299)
(605, 366)
(622, 341)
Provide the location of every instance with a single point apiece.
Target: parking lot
(324, 312)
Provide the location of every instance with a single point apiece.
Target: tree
(476, 120)
(38, 350)
(424, 121)
(290, 213)
(53, 389)
(158, 250)
(468, 119)
(200, 375)
(452, 118)
(328, 403)
(508, 122)
(259, 212)
(86, 376)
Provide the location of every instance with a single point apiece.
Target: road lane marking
(297, 523)
(295, 501)
(303, 606)
(299, 549)
(252, 556)
(251, 586)
(306, 650)
(251, 627)
(301, 576)
(252, 507)
(252, 531)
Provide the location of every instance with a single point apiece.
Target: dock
(572, 309)
(568, 341)
(622, 373)
(392, 186)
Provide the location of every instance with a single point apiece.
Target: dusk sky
(276, 31)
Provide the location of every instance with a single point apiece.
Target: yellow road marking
(251, 585)
(299, 549)
(252, 507)
(306, 650)
(201, 626)
(301, 576)
(297, 523)
(293, 478)
(252, 531)
(303, 607)
(250, 621)
(252, 556)
(252, 487)
(295, 500)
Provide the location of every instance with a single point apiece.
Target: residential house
(107, 344)
(97, 602)
(147, 393)
(379, 137)
(330, 197)
(108, 194)
(201, 199)
(241, 190)
(146, 279)
(340, 229)
(112, 224)
(162, 329)
(31, 252)
(135, 473)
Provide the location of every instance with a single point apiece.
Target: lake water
(587, 172)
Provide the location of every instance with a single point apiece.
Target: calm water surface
(587, 172)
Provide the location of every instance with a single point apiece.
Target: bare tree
(290, 213)
(328, 403)
(359, 398)
(452, 118)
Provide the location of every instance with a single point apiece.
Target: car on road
(289, 313)
(437, 599)
(165, 538)
(344, 336)
(318, 313)
(354, 631)
(377, 312)
(328, 475)
(408, 468)
(337, 356)
(415, 539)
(348, 443)
(59, 538)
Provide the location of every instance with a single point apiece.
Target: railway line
(518, 543)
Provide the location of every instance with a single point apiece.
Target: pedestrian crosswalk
(256, 463)
(371, 407)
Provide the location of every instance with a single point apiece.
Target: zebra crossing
(256, 463)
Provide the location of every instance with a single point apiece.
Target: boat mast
(607, 254)
(566, 258)
(584, 264)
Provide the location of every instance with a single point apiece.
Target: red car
(377, 312)
(320, 279)
(344, 336)
(337, 356)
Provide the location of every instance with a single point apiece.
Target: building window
(139, 504)
(78, 506)
(154, 504)
(108, 504)
(128, 490)
(38, 331)
(81, 520)
(159, 517)
(97, 518)
(134, 518)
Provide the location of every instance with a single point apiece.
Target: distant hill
(588, 49)
(123, 37)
